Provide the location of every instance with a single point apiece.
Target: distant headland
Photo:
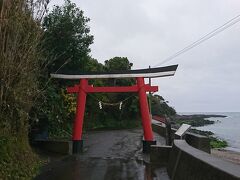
(195, 120)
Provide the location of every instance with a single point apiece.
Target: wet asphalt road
(110, 155)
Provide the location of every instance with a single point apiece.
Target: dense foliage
(67, 38)
(160, 107)
(66, 44)
(31, 103)
(20, 66)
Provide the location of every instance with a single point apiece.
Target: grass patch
(217, 143)
(17, 160)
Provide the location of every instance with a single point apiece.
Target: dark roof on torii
(146, 73)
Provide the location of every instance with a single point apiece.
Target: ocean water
(225, 128)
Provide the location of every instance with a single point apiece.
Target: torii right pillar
(145, 116)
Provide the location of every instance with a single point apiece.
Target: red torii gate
(83, 88)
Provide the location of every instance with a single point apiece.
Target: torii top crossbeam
(145, 73)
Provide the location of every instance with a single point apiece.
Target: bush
(214, 142)
(20, 64)
(217, 143)
(17, 160)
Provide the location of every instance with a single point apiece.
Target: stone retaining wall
(55, 146)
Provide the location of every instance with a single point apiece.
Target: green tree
(67, 38)
(160, 107)
(118, 63)
(129, 111)
(66, 44)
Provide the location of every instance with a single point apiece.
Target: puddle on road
(77, 167)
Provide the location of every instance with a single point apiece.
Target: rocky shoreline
(195, 120)
(217, 145)
(199, 116)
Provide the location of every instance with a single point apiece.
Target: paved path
(109, 155)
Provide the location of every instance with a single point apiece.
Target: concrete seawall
(186, 162)
(189, 159)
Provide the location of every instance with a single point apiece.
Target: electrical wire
(209, 35)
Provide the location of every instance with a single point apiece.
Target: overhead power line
(209, 35)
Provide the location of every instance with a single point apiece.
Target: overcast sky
(148, 31)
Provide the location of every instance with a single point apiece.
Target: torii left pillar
(145, 116)
(78, 124)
